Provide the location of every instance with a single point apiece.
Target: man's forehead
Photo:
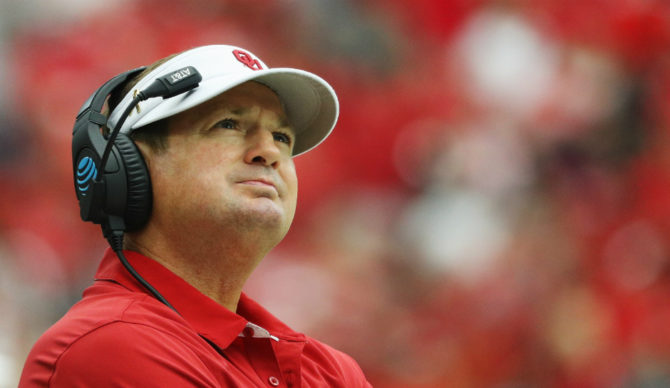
(242, 99)
(250, 92)
(254, 87)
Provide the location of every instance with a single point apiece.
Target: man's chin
(264, 211)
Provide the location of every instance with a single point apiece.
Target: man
(220, 161)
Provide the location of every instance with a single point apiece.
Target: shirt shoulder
(115, 336)
(130, 354)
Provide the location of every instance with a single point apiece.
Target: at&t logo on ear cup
(86, 172)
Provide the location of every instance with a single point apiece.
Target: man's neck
(217, 268)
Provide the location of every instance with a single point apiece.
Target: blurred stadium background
(492, 210)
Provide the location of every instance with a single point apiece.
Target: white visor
(310, 102)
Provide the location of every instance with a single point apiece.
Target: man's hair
(153, 134)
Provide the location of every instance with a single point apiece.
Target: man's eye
(282, 137)
(226, 124)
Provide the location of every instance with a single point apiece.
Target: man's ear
(149, 154)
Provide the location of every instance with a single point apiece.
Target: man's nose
(262, 148)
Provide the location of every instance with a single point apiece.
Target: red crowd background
(492, 209)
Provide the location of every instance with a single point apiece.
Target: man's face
(227, 165)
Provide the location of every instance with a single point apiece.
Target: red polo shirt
(119, 335)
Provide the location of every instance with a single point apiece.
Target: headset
(118, 196)
(111, 179)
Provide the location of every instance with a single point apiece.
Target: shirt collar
(206, 316)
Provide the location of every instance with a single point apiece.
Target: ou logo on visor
(248, 60)
(86, 172)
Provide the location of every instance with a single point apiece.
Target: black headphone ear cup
(139, 200)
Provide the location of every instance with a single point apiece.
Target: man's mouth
(260, 183)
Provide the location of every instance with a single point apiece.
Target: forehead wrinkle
(240, 111)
